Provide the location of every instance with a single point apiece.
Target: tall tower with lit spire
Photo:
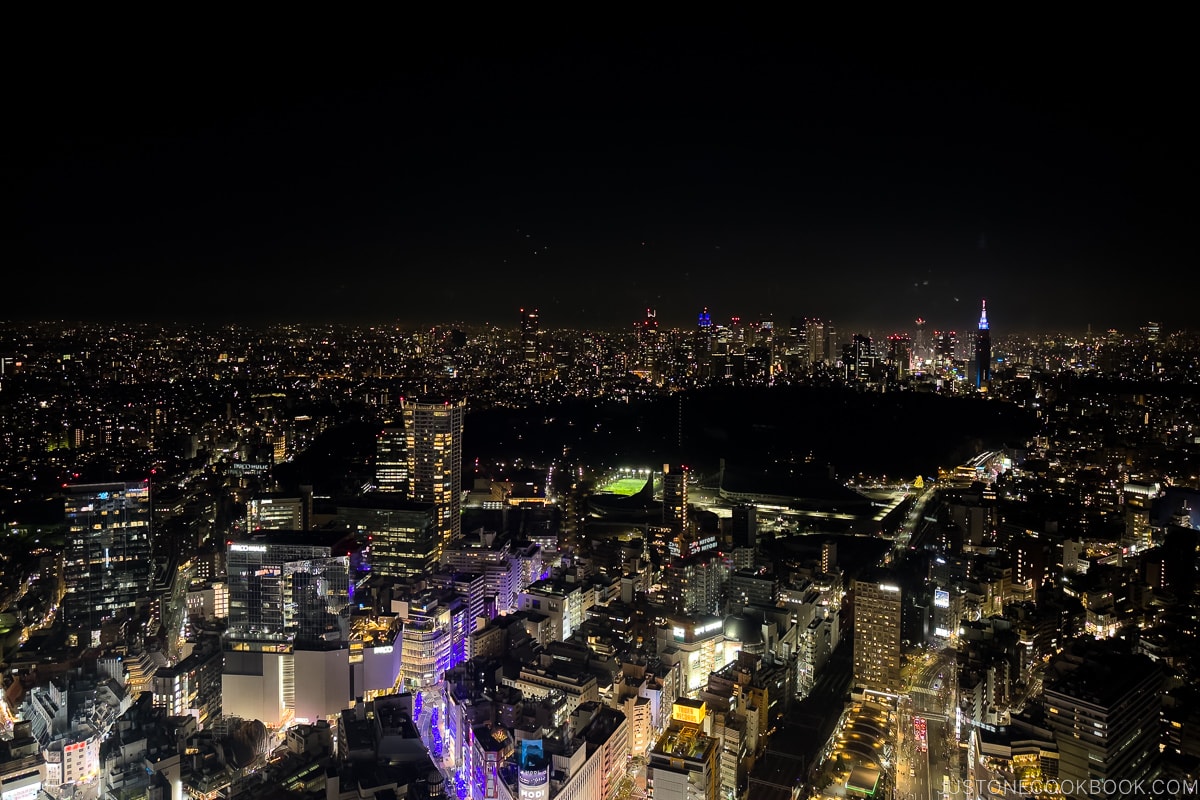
(983, 352)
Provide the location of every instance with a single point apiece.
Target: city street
(928, 751)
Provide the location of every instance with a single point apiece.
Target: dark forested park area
(896, 433)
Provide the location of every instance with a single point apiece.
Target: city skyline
(593, 178)
(708, 563)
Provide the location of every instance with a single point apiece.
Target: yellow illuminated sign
(690, 713)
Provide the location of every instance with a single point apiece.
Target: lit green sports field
(626, 486)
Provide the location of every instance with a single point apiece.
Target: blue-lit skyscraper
(702, 344)
(983, 352)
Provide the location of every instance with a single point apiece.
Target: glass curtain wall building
(402, 534)
(286, 593)
(107, 564)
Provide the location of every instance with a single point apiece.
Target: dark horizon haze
(591, 178)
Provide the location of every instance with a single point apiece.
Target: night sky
(458, 177)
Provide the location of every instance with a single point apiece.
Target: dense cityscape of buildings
(210, 589)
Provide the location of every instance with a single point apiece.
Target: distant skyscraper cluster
(758, 351)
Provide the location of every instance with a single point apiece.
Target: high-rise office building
(744, 527)
(288, 587)
(832, 342)
(1103, 707)
(945, 347)
(829, 556)
(702, 343)
(860, 357)
(530, 334)
(920, 343)
(402, 533)
(287, 647)
(107, 564)
(675, 498)
(899, 355)
(649, 343)
(693, 584)
(391, 460)
(278, 512)
(1139, 499)
(983, 352)
(433, 430)
(814, 335)
(877, 612)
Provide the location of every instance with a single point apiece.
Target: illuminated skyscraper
(675, 498)
(107, 562)
(288, 588)
(983, 352)
(402, 533)
(649, 344)
(1139, 501)
(278, 512)
(530, 333)
(877, 635)
(816, 334)
(945, 348)
(860, 357)
(829, 557)
(920, 343)
(391, 460)
(702, 343)
(900, 354)
(286, 649)
(433, 430)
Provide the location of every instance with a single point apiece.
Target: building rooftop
(1102, 682)
(862, 781)
(388, 501)
(684, 741)
(337, 539)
